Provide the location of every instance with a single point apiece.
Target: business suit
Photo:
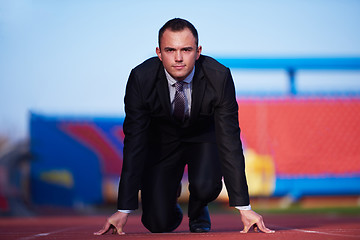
(153, 138)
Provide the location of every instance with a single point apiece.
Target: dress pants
(162, 178)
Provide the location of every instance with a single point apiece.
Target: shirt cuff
(248, 207)
(126, 211)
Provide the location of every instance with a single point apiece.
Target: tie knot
(179, 85)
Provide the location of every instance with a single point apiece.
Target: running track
(225, 226)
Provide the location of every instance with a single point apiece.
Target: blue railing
(292, 65)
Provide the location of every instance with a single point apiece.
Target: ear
(198, 52)
(158, 52)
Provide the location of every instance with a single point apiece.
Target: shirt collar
(172, 80)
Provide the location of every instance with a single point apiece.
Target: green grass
(216, 207)
(296, 209)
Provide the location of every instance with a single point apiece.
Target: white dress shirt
(187, 87)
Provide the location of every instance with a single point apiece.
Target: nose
(178, 56)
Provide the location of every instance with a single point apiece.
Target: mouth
(179, 67)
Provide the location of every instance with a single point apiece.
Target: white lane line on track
(317, 232)
(48, 233)
(42, 234)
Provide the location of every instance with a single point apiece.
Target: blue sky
(73, 57)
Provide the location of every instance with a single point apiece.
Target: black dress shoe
(202, 223)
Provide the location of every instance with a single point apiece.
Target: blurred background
(63, 72)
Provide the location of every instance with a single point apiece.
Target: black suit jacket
(149, 125)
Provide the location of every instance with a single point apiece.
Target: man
(181, 109)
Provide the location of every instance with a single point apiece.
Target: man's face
(178, 53)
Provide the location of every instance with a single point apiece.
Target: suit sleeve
(229, 144)
(135, 150)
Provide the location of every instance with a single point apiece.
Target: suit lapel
(163, 91)
(198, 90)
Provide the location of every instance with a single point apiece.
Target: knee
(158, 227)
(162, 221)
(205, 191)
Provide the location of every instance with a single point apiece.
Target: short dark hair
(178, 24)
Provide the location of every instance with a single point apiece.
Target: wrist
(243, 208)
(125, 211)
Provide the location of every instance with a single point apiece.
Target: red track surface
(224, 226)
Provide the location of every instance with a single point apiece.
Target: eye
(187, 49)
